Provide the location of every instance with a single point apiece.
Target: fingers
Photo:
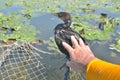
(74, 42)
(67, 47)
(81, 43)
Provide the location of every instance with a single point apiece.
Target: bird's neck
(67, 23)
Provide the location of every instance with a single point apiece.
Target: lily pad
(116, 46)
(12, 27)
(92, 33)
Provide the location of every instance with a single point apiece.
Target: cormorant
(65, 17)
(63, 32)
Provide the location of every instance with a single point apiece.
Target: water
(46, 22)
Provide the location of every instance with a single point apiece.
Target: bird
(65, 17)
(63, 32)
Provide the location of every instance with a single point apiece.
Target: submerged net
(21, 61)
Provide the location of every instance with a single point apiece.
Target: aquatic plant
(75, 75)
(88, 30)
(62, 5)
(116, 46)
(28, 8)
(22, 30)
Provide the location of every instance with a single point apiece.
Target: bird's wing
(77, 35)
(65, 35)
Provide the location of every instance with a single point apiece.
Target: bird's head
(65, 16)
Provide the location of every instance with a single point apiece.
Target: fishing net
(21, 61)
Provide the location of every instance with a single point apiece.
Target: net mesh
(21, 61)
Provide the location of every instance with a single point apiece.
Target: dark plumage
(65, 17)
(63, 32)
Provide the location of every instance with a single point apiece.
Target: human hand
(80, 54)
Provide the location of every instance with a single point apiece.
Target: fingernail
(72, 36)
(63, 43)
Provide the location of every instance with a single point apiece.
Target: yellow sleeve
(101, 70)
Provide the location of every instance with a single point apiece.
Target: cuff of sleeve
(89, 64)
(91, 70)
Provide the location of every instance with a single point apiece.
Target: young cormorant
(63, 32)
(65, 17)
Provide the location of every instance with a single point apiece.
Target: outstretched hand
(80, 54)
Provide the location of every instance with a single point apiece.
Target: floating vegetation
(101, 32)
(75, 75)
(13, 28)
(116, 46)
(88, 8)
(113, 54)
(55, 5)
(15, 25)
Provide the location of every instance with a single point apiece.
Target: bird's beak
(55, 14)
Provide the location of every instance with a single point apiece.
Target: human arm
(102, 70)
(83, 58)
